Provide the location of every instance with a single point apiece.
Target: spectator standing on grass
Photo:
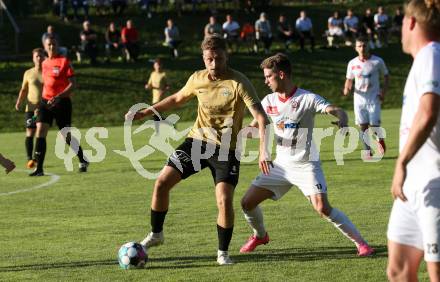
(130, 40)
(172, 38)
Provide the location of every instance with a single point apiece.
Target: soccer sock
(224, 237)
(40, 152)
(73, 143)
(29, 142)
(157, 220)
(345, 226)
(255, 220)
(361, 136)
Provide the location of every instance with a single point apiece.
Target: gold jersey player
(58, 84)
(222, 94)
(158, 84)
(31, 90)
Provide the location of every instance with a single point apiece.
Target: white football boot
(153, 240)
(223, 258)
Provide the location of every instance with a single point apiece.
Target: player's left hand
(52, 102)
(398, 180)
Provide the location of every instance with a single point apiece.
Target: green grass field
(72, 229)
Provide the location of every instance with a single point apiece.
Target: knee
(246, 205)
(224, 202)
(161, 186)
(396, 273)
(322, 209)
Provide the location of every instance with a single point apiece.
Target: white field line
(53, 179)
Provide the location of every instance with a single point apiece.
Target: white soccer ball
(132, 255)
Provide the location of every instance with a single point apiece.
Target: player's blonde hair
(213, 42)
(277, 62)
(426, 13)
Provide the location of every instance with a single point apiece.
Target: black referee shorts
(224, 166)
(61, 112)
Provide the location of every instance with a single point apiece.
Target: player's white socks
(344, 224)
(255, 220)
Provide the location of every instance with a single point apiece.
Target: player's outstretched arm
(264, 130)
(7, 164)
(166, 104)
(339, 113)
(424, 121)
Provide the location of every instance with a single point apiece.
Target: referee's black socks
(40, 152)
(224, 237)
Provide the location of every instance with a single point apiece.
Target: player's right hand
(265, 165)
(17, 106)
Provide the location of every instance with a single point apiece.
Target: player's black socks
(40, 152)
(224, 237)
(157, 220)
(73, 143)
(29, 142)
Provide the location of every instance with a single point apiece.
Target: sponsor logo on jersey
(56, 70)
(272, 110)
(295, 105)
(226, 92)
(287, 125)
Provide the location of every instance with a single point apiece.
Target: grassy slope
(72, 230)
(106, 92)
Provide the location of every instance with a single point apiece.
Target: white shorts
(367, 114)
(335, 31)
(309, 179)
(416, 222)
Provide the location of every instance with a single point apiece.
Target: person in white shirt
(304, 28)
(292, 111)
(335, 32)
(231, 32)
(381, 26)
(414, 225)
(172, 38)
(263, 33)
(351, 27)
(365, 71)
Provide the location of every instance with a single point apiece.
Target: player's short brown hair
(38, 50)
(213, 42)
(426, 13)
(277, 62)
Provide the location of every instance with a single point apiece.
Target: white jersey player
(365, 71)
(414, 226)
(292, 111)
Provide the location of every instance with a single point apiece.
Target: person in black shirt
(113, 40)
(367, 27)
(88, 43)
(285, 31)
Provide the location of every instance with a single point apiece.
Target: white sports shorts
(416, 222)
(308, 178)
(367, 114)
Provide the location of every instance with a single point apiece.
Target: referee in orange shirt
(58, 84)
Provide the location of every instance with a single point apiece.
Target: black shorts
(29, 120)
(224, 166)
(61, 112)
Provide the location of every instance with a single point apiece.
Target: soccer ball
(132, 255)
